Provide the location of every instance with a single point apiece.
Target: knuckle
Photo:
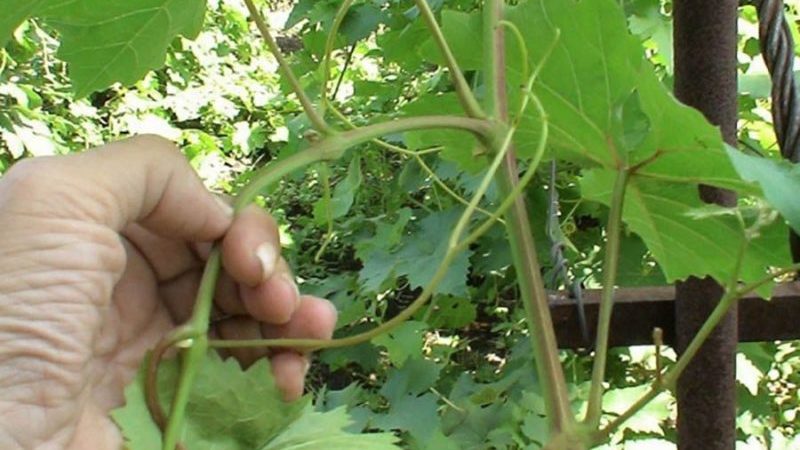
(156, 146)
(152, 141)
(25, 176)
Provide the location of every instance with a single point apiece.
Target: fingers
(241, 328)
(251, 255)
(251, 247)
(275, 300)
(289, 370)
(315, 318)
(143, 179)
(245, 287)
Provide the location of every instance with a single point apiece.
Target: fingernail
(226, 208)
(268, 255)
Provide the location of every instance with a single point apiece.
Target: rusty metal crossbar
(637, 311)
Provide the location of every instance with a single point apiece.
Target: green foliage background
(458, 375)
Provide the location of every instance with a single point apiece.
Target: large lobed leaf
(230, 408)
(607, 111)
(109, 41)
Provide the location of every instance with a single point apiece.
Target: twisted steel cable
(560, 263)
(777, 49)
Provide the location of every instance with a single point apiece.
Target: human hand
(101, 254)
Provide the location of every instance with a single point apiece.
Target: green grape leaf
(636, 265)
(604, 104)
(138, 429)
(536, 427)
(659, 212)
(460, 29)
(418, 257)
(361, 22)
(416, 376)
(345, 191)
(649, 419)
(402, 45)
(423, 251)
(109, 41)
(375, 251)
(14, 13)
(608, 111)
(403, 342)
(228, 407)
(779, 180)
(457, 145)
(416, 415)
(233, 409)
(378, 267)
(342, 197)
(452, 312)
(325, 431)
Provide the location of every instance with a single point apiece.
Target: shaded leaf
(109, 41)
(14, 13)
(403, 342)
(233, 409)
(324, 431)
(659, 213)
(779, 180)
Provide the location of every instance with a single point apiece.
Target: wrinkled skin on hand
(100, 256)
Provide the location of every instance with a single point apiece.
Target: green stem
(728, 299)
(523, 250)
(326, 66)
(324, 176)
(492, 55)
(527, 177)
(523, 48)
(394, 322)
(610, 265)
(316, 344)
(467, 99)
(484, 185)
(286, 70)
(417, 155)
(194, 355)
(671, 377)
(331, 147)
(334, 146)
(505, 147)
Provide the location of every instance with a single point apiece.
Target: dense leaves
(261, 419)
(369, 231)
(608, 112)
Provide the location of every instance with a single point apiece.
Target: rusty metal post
(705, 37)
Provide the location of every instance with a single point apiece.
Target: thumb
(144, 179)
